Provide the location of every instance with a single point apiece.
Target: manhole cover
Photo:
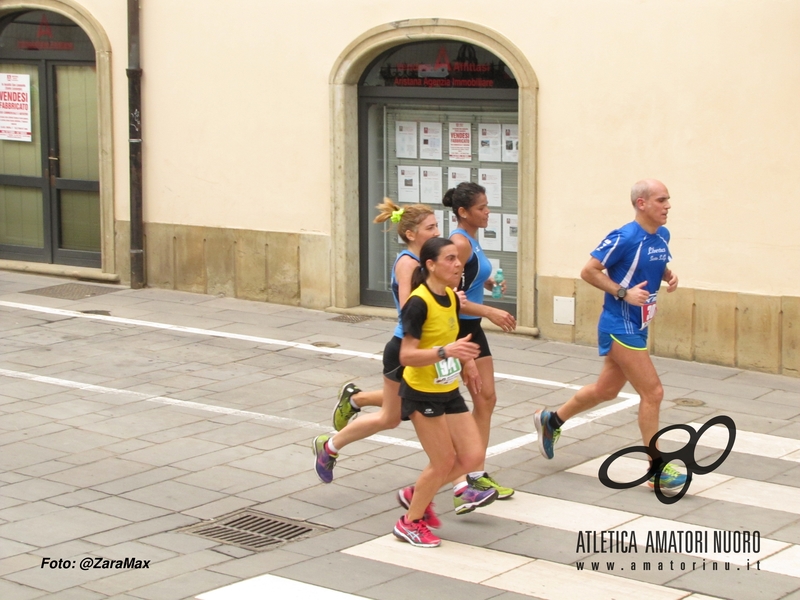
(689, 402)
(325, 344)
(253, 530)
(350, 318)
(72, 291)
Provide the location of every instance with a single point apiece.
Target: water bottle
(497, 291)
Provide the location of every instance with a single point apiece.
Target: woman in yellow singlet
(432, 357)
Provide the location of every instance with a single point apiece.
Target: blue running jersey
(398, 331)
(477, 270)
(630, 256)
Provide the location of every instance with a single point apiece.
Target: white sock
(353, 403)
(477, 474)
(459, 486)
(331, 448)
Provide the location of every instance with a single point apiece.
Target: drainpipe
(134, 72)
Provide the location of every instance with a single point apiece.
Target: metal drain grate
(72, 291)
(350, 318)
(253, 530)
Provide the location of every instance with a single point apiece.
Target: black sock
(555, 422)
(656, 463)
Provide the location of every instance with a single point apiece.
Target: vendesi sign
(15, 107)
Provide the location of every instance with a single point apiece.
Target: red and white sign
(460, 141)
(15, 107)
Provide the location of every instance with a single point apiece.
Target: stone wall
(760, 333)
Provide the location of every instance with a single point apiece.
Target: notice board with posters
(452, 146)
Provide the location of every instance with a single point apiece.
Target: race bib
(648, 311)
(447, 371)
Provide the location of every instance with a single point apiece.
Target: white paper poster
(452, 222)
(490, 237)
(510, 143)
(405, 139)
(15, 107)
(495, 265)
(460, 141)
(407, 185)
(509, 233)
(457, 175)
(440, 220)
(431, 185)
(492, 180)
(489, 142)
(430, 141)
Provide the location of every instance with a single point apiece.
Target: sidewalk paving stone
(110, 472)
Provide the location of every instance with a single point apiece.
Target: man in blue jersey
(629, 266)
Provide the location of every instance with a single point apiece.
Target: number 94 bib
(447, 371)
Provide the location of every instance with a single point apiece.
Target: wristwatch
(440, 351)
(622, 292)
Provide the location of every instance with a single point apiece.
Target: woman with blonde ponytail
(415, 225)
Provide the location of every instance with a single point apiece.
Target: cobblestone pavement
(127, 416)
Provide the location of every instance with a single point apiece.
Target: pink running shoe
(416, 533)
(404, 499)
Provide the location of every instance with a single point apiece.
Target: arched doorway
(431, 115)
(50, 168)
(346, 75)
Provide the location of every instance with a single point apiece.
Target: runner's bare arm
(671, 279)
(411, 355)
(594, 274)
(402, 271)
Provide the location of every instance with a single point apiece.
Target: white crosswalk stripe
(512, 573)
(759, 494)
(747, 442)
(271, 586)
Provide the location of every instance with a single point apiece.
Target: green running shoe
(671, 480)
(486, 482)
(344, 411)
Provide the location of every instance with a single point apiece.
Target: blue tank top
(398, 331)
(631, 256)
(477, 270)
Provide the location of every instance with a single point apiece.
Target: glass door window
(77, 181)
(49, 180)
(409, 180)
(21, 213)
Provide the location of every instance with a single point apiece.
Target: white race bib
(447, 370)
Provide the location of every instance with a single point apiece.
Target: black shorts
(430, 405)
(392, 369)
(473, 326)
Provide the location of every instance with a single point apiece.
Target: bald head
(644, 189)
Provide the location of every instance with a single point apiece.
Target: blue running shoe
(323, 462)
(471, 497)
(671, 480)
(547, 436)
